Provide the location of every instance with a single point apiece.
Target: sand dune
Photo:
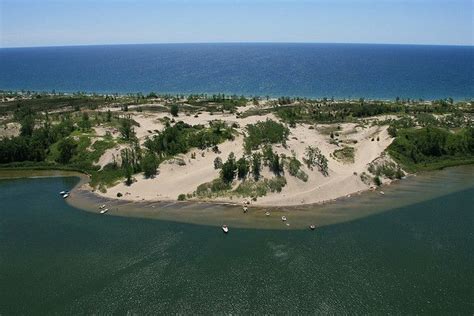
(343, 179)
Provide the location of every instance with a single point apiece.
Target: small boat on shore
(65, 196)
(283, 218)
(105, 210)
(225, 229)
(382, 192)
(312, 227)
(267, 213)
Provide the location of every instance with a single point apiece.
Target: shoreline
(124, 94)
(413, 189)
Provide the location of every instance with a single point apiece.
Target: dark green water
(57, 259)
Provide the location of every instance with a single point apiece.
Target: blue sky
(84, 22)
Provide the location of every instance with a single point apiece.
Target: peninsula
(226, 148)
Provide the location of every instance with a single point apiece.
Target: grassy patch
(216, 187)
(345, 154)
(248, 188)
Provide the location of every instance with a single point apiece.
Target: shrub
(345, 154)
(181, 197)
(126, 129)
(215, 187)
(276, 184)
(377, 181)
(302, 176)
(399, 174)
(294, 166)
(218, 163)
(174, 109)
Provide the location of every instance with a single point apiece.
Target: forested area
(431, 147)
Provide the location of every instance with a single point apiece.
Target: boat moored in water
(225, 229)
(312, 227)
(283, 218)
(105, 210)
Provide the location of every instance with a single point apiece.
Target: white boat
(267, 213)
(225, 229)
(382, 192)
(283, 218)
(65, 196)
(63, 192)
(245, 209)
(105, 210)
(312, 227)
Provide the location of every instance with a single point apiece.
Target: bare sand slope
(174, 179)
(343, 179)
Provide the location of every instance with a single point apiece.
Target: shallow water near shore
(414, 256)
(414, 189)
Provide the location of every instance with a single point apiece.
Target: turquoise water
(310, 70)
(58, 259)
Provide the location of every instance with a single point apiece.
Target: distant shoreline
(228, 93)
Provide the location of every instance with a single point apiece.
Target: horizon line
(235, 42)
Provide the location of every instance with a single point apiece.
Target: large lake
(56, 259)
(309, 70)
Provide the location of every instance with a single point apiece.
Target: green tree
(275, 165)
(228, 169)
(174, 110)
(314, 157)
(27, 125)
(128, 175)
(126, 129)
(242, 168)
(67, 148)
(149, 164)
(256, 165)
